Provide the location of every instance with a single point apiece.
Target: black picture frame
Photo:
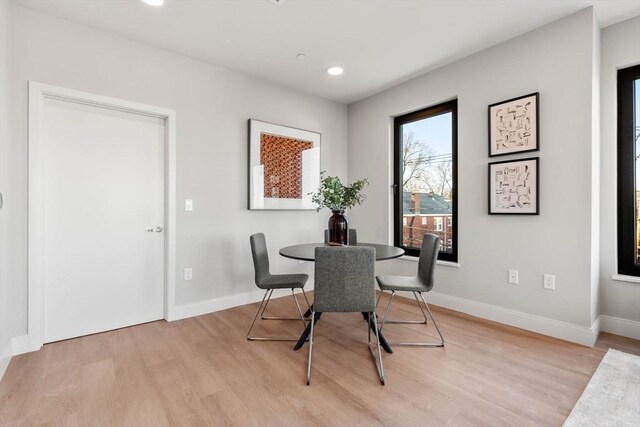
(521, 136)
(498, 204)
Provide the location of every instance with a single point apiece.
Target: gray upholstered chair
(353, 236)
(344, 282)
(423, 282)
(267, 281)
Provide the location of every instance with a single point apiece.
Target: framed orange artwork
(284, 166)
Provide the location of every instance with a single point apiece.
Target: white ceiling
(378, 42)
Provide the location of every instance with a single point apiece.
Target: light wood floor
(202, 371)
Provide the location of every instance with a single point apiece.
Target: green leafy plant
(336, 196)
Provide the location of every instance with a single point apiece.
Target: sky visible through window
(427, 180)
(430, 170)
(434, 131)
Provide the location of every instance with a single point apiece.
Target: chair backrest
(428, 258)
(353, 236)
(260, 257)
(344, 279)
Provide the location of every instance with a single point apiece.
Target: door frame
(38, 93)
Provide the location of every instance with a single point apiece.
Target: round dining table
(307, 252)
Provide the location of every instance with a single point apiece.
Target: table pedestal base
(372, 324)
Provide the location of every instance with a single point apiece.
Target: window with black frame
(425, 179)
(628, 171)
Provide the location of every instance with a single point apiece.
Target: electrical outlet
(188, 273)
(549, 282)
(513, 277)
(188, 205)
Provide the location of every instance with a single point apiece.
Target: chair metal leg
(306, 300)
(379, 298)
(304, 325)
(433, 320)
(415, 295)
(313, 315)
(419, 344)
(269, 292)
(407, 322)
(377, 362)
(384, 318)
(263, 317)
(262, 307)
(256, 316)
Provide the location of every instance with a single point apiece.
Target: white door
(103, 191)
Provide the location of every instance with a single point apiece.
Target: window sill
(623, 278)
(443, 263)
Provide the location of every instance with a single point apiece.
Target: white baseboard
(618, 326)
(230, 301)
(531, 322)
(20, 345)
(542, 325)
(15, 346)
(5, 358)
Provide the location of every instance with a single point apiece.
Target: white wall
(213, 105)
(557, 61)
(620, 49)
(5, 54)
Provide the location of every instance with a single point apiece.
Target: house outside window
(425, 179)
(629, 171)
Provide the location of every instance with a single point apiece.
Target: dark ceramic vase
(338, 228)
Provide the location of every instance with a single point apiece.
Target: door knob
(155, 230)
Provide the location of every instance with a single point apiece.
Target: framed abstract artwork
(284, 167)
(513, 125)
(513, 187)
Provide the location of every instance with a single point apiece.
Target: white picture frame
(284, 166)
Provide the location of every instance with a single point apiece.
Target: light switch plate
(188, 205)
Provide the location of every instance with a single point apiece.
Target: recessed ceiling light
(154, 2)
(301, 56)
(335, 71)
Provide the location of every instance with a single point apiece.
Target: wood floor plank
(142, 405)
(203, 372)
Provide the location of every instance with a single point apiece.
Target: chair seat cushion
(284, 281)
(401, 283)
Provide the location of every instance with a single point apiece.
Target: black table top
(307, 251)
